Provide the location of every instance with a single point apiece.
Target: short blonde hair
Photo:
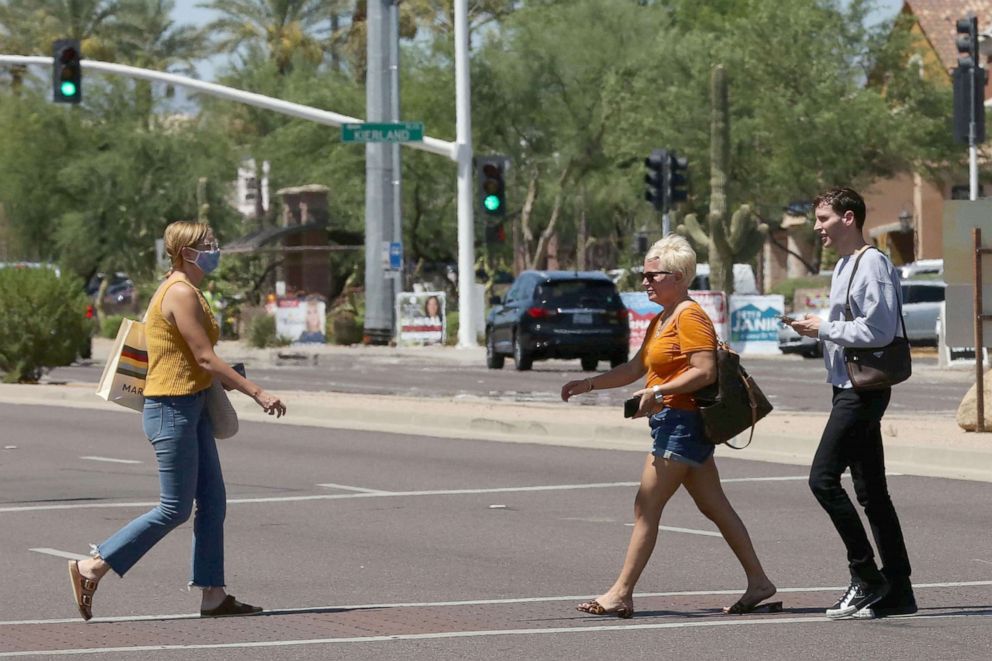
(183, 234)
(676, 255)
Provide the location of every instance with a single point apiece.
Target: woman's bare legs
(703, 484)
(660, 479)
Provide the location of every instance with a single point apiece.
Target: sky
(186, 11)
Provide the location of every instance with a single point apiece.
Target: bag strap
(754, 410)
(848, 312)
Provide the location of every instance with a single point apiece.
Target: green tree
(150, 39)
(281, 30)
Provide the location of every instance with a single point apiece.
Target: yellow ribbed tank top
(172, 369)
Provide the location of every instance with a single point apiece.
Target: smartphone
(631, 406)
(786, 319)
(239, 368)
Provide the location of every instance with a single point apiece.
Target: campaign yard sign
(640, 312)
(420, 318)
(754, 323)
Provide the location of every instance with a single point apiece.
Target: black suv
(558, 314)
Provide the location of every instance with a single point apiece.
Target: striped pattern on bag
(133, 362)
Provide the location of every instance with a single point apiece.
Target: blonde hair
(675, 254)
(183, 234)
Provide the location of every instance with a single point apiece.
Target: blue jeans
(189, 470)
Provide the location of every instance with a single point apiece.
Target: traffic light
(967, 41)
(492, 185)
(969, 85)
(676, 189)
(656, 164)
(67, 74)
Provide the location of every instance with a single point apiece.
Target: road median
(915, 444)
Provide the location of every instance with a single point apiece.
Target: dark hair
(842, 200)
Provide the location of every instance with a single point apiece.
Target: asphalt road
(792, 383)
(381, 546)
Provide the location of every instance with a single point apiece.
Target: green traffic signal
(68, 88)
(491, 202)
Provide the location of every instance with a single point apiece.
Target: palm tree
(150, 39)
(282, 29)
(28, 27)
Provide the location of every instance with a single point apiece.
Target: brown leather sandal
(82, 589)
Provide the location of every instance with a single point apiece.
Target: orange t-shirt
(666, 353)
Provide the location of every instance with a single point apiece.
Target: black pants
(853, 439)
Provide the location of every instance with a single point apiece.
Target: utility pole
(463, 157)
(394, 111)
(379, 177)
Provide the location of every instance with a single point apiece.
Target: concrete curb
(914, 444)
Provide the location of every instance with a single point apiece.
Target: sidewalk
(914, 444)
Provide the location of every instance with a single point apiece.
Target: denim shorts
(678, 435)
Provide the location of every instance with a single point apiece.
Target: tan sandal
(82, 589)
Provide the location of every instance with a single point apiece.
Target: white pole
(973, 169)
(326, 117)
(463, 146)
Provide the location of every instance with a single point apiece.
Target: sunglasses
(653, 275)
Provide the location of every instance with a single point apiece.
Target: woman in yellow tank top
(181, 333)
(678, 358)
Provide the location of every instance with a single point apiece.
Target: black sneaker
(899, 601)
(858, 596)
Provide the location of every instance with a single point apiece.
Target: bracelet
(657, 393)
(591, 388)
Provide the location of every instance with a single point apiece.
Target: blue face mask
(207, 260)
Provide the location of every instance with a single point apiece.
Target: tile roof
(938, 18)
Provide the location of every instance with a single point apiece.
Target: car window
(919, 294)
(571, 292)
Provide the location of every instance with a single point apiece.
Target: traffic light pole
(973, 136)
(463, 157)
(459, 151)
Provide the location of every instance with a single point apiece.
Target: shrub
(262, 332)
(110, 325)
(42, 324)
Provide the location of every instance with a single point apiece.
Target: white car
(921, 301)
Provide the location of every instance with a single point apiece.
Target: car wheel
(494, 361)
(589, 364)
(619, 359)
(522, 359)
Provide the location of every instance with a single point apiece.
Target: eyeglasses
(208, 246)
(653, 275)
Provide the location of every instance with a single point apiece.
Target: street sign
(383, 132)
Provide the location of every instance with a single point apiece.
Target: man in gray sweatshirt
(852, 437)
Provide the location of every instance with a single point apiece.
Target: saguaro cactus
(736, 239)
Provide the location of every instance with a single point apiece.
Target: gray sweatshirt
(876, 299)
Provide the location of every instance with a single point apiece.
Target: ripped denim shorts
(678, 435)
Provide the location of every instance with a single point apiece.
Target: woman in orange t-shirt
(678, 357)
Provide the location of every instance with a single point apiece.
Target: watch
(657, 393)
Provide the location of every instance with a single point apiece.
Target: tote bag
(734, 403)
(123, 380)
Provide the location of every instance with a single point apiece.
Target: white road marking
(60, 554)
(988, 562)
(481, 602)
(691, 531)
(381, 494)
(732, 622)
(345, 487)
(113, 461)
